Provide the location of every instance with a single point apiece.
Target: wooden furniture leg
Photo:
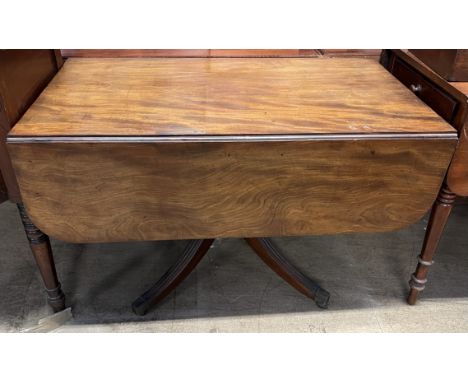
(272, 257)
(192, 255)
(194, 252)
(439, 216)
(42, 251)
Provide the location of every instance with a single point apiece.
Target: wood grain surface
(216, 96)
(103, 192)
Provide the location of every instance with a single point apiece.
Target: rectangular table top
(166, 97)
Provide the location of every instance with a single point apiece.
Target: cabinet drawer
(436, 98)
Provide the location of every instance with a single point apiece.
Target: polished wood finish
(192, 255)
(173, 97)
(103, 192)
(42, 251)
(451, 64)
(284, 135)
(23, 75)
(151, 149)
(195, 251)
(141, 53)
(271, 255)
(439, 216)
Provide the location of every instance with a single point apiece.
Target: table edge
(229, 138)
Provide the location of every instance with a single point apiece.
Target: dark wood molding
(187, 53)
(235, 138)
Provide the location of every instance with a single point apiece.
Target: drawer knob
(416, 88)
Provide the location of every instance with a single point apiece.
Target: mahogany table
(204, 148)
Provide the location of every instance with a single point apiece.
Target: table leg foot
(42, 251)
(192, 255)
(268, 252)
(439, 216)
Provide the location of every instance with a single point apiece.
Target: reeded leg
(192, 255)
(40, 247)
(264, 248)
(439, 216)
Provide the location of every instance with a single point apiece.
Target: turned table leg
(439, 216)
(42, 251)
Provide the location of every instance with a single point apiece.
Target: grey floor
(233, 291)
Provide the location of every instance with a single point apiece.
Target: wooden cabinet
(23, 75)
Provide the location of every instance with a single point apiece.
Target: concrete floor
(233, 291)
